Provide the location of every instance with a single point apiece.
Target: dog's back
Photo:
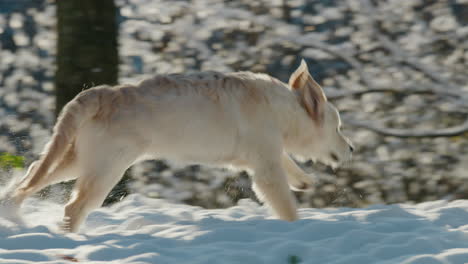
(212, 116)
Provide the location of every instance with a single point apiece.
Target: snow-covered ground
(145, 230)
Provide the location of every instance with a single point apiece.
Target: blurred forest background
(396, 69)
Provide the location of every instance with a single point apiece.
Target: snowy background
(144, 230)
(412, 54)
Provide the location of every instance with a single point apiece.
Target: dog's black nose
(351, 148)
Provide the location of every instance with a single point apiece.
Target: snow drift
(145, 230)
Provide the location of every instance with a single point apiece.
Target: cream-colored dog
(240, 119)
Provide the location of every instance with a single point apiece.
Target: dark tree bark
(286, 11)
(87, 47)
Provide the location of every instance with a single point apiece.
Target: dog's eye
(334, 157)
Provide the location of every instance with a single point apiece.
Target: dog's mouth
(334, 160)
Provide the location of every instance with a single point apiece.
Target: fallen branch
(400, 91)
(408, 133)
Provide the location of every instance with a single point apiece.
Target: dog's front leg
(271, 186)
(298, 180)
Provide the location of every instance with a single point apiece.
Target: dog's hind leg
(96, 179)
(89, 193)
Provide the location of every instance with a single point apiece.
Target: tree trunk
(87, 47)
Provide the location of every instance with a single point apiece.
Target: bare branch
(402, 91)
(355, 64)
(408, 133)
(404, 57)
(398, 53)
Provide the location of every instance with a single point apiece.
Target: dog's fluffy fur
(240, 119)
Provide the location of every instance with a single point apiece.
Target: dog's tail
(81, 109)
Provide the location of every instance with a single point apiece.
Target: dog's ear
(311, 95)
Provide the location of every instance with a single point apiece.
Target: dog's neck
(296, 126)
(297, 130)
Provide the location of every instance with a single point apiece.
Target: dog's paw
(302, 184)
(65, 225)
(9, 209)
(302, 188)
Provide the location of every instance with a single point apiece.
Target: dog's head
(322, 139)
